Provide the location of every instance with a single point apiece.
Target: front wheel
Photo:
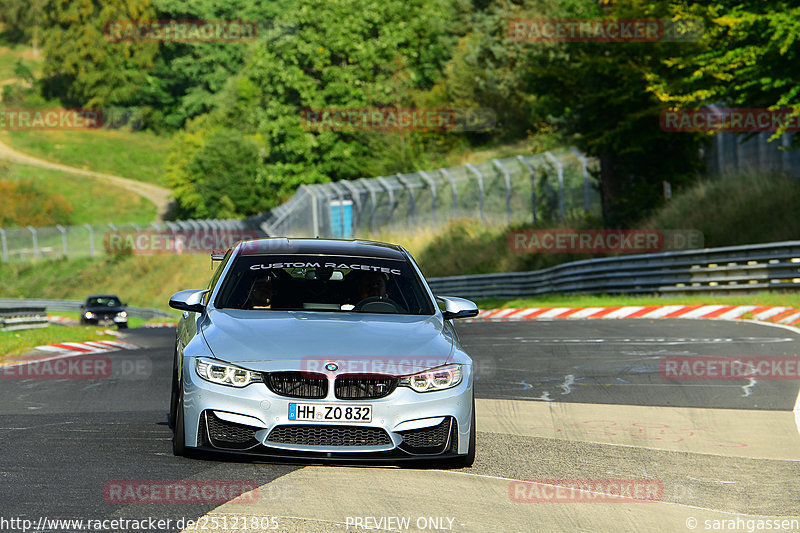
(179, 433)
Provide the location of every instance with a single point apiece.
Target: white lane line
(797, 412)
(500, 478)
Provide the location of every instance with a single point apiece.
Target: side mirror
(124, 304)
(83, 306)
(189, 300)
(457, 307)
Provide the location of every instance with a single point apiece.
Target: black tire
(179, 433)
(122, 326)
(466, 461)
(173, 396)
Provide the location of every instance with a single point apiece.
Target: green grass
(139, 156)
(735, 210)
(787, 299)
(20, 342)
(9, 56)
(140, 281)
(93, 201)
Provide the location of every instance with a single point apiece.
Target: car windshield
(323, 283)
(103, 301)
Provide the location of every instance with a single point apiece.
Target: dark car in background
(104, 309)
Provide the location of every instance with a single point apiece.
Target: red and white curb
(763, 313)
(161, 325)
(62, 320)
(87, 347)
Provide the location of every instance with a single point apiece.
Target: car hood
(104, 310)
(289, 340)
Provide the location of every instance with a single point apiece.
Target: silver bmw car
(322, 350)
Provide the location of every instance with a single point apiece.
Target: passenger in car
(260, 296)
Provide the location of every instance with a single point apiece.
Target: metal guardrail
(732, 269)
(75, 305)
(22, 317)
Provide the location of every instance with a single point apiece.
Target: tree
(319, 54)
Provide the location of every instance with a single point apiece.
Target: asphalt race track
(561, 404)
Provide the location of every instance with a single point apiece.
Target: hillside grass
(140, 281)
(93, 200)
(463, 247)
(138, 156)
(734, 210)
(11, 53)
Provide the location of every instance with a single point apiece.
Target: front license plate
(329, 413)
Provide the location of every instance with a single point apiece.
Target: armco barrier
(22, 317)
(732, 269)
(75, 305)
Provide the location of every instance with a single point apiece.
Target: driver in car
(371, 284)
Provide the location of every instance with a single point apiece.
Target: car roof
(358, 248)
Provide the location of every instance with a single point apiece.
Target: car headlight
(224, 374)
(88, 314)
(122, 314)
(445, 377)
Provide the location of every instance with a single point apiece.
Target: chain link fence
(543, 187)
(548, 186)
(754, 154)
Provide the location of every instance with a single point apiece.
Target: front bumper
(255, 421)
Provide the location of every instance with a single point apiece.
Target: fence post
(585, 164)
(560, 168)
(477, 172)
(314, 209)
(356, 203)
(4, 244)
(36, 252)
(388, 187)
(63, 239)
(786, 143)
(507, 178)
(373, 202)
(522, 159)
(412, 204)
(449, 178)
(432, 185)
(91, 239)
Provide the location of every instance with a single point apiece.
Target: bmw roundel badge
(331, 367)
